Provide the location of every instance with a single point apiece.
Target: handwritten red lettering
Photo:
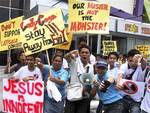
(38, 87)
(97, 6)
(9, 42)
(8, 26)
(21, 107)
(83, 26)
(34, 88)
(41, 20)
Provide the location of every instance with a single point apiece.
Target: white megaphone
(86, 78)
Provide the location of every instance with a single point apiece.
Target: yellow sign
(144, 50)
(43, 31)
(89, 17)
(66, 46)
(10, 34)
(109, 46)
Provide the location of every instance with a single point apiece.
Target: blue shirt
(112, 94)
(63, 75)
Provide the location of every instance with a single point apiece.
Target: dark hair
(57, 56)
(33, 55)
(113, 53)
(133, 52)
(82, 40)
(84, 46)
(19, 54)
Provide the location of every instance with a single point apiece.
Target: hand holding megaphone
(104, 85)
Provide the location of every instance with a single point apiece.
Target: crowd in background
(107, 72)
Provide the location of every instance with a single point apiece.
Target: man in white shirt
(83, 66)
(29, 72)
(145, 105)
(134, 69)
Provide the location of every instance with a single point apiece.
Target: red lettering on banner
(92, 12)
(8, 26)
(24, 87)
(22, 90)
(38, 87)
(83, 26)
(30, 89)
(97, 6)
(9, 42)
(21, 107)
(14, 87)
(40, 21)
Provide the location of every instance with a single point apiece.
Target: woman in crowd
(59, 77)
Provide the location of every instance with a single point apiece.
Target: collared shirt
(83, 69)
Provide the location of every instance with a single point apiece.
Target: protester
(43, 57)
(65, 63)
(83, 66)
(22, 62)
(122, 58)
(44, 68)
(145, 105)
(133, 69)
(111, 99)
(29, 72)
(57, 78)
(92, 60)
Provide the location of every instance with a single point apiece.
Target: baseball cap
(102, 63)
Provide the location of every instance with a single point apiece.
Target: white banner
(133, 88)
(22, 97)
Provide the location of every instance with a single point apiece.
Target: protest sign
(89, 17)
(43, 31)
(109, 46)
(133, 88)
(66, 46)
(144, 50)
(10, 34)
(22, 97)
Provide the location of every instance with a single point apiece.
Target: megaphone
(86, 78)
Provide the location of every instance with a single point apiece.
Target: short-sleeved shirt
(112, 94)
(138, 75)
(145, 105)
(63, 75)
(25, 72)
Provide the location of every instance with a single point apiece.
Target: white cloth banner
(133, 88)
(22, 97)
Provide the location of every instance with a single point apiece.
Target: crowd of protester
(106, 73)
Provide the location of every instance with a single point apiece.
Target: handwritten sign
(109, 46)
(88, 16)
(134, 88)
(22, 97)
(144, 50)
(43, 31)
(66, 46)
(10, 34)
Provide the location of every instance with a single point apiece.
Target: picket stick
(48, 61)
